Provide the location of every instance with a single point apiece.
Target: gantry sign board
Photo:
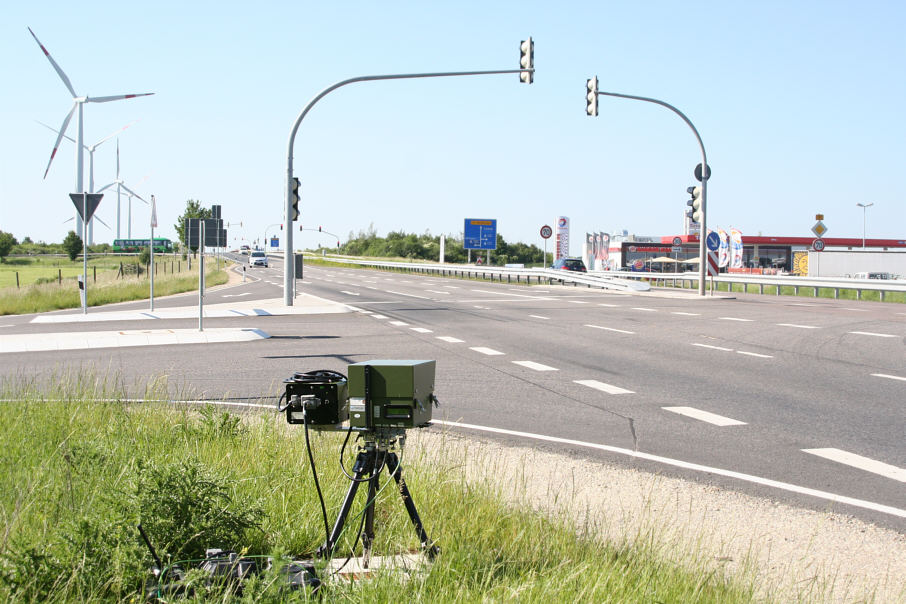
(480, 234)
(214, 233)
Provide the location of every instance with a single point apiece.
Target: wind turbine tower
(78, 102)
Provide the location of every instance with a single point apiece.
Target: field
(40, 290)
(80, 469)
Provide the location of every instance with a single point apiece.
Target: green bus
(134, 246)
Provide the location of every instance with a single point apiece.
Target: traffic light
(319, 229)
(695, 213)
(591, 96)
(281, 227)
(527, 61)
(296, 183)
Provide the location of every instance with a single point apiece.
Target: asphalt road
(773, 396)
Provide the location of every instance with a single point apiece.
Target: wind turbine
(120, 185)
(91, 149)
(78, 102)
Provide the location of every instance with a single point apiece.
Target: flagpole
(153, 224)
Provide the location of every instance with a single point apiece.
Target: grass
(804, 291)
(109, 287)
(32, 269)
(78, 474)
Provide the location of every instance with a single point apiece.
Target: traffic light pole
(702, 250)
(288, 269)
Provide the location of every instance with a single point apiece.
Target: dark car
(570, 264)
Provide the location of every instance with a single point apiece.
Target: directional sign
(214, 233)
(818, 245)
(546, 232)
(92, 200)
(480, 234)
(713, 241)
(819, 229)
(275, 242)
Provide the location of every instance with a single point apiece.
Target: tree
(72, 245)
(193, 210)
(7, 241)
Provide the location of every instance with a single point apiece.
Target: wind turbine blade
(54, 63)
(105, 187)
(60, 135)
(54, 130)
(131, 192)
(118, 97)
(68, 220)
(112, 134)
(117, 159)
(98, 218)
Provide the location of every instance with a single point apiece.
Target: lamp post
(864, 207)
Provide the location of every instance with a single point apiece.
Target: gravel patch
(790, 554)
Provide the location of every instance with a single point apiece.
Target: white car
(258, 258)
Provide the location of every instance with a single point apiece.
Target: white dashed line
(798, 326)
(487, 351)
(421, 329)
(877, 335)
(686, 314)
(755, 354)
(858, 309)
(578, 302)
(379, 316)
(712, 347)
(535, 366)
(450, 339)
(399, 323)
(711, 418)
(734, 319)
(862, 463)
(645, 309)
(608, 388)
(408, 295)
(539, 317)
(451, 286)
(610, 329)
(343, 291)
(889, 377)
(609, 305)
(435, 291)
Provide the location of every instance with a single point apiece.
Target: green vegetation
(193, 210)
(79, 473)
(398, 244)
(73, 245)
(805, 291)
(7, 242)
(40, 290)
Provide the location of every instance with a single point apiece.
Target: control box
(390, 394)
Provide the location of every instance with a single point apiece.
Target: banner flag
(723, 256)
(735, 248)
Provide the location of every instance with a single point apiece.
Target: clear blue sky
(800, 106)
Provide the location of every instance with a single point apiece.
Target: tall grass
(79, 468)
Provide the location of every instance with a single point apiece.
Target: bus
(134, 246)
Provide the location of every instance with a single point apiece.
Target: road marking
(890, 377)
(687, 314)
(409, 295)
(577, 302)
(379, 316)
(858, 309)
(487, 291)
(798, 326)
(539, 317)
(877, 335)
(609, 305)
(236, 295)
(450, 339)
(862, 463)
(734, 319)
(482, 307)
(487, 351)
(452, 286)
(711, 418)
(434, 291)
(369, 287)
(535, 366)
(755, 354)
(399, 323)
(421, 330)
(685, 465)
(645, 309)
(608, 388)
(610, 329)
(712, 347)
(343, 291)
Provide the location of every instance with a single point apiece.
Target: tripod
(375, 455)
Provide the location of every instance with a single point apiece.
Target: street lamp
(864, 206)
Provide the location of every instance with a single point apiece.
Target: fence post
(17, 279)
(59, 276)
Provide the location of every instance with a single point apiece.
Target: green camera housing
(390, 394)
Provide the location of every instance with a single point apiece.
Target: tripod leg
(364, 464)
(394, 462)
(373, 486)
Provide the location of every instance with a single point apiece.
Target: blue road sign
(713, 241)
(480, 234)
(275, 242)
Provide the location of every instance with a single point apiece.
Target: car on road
(570, 264)
(244, 250)
(258, 258)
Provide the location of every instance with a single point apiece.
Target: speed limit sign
(818, 245)
(546, 232)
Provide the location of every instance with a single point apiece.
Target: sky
(799, 105)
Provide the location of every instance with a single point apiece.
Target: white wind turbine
(78, 102)
(120, 186)
(91, 149)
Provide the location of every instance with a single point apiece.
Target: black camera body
(317, 398)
